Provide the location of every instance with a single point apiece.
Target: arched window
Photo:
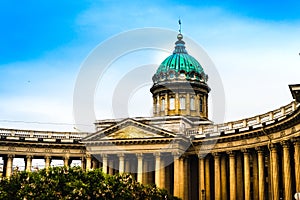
(162, 105)
(172, 103)
(182, 103)
(192, 103)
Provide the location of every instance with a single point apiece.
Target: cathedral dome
(180, 65)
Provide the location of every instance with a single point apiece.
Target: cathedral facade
(179, 148)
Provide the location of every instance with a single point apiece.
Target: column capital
(104, 155)
(29, 156)
(201, 155)
(260, 149)
(216, 154)
(10, 155)
(88, 156)
(121, 155)
(176, 154)
(296, 141)
(245, 151)
(47, 157)
(66, 157)
(273, 147)
(231, 153)
(157, 154)
(285, 144)
(139, 155)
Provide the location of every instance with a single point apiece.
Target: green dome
(180, 65)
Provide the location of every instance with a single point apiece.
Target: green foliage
(74, 183)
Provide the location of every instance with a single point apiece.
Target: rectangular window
(162, 107)
(182, 103)
(192, 103)
(172, 103)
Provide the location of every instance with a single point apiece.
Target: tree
(74, 183)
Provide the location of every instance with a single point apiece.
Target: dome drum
(180, 85)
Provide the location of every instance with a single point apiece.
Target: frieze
(66, 151)
(229, 144)
(11, 148)
(244, 141)
(48, 150)
(282, 133)
(30, 149)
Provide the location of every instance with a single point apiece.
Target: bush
(74, 183)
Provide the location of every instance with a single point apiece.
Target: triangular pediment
(131, 132)
(129, 129)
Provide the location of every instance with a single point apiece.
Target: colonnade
(264, 172)
(8, 162)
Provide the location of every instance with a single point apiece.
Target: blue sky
(254, 45)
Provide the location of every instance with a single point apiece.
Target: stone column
(104, 163)
(66, 161)
(82, 163)
(9, 165)
(232, 175)
(246, 174)
(166, 104)
(207, 179)
(139, 167)
(187, 103)
(88, 159)
(181, 177)
(157, 170)
(158, 105)
(217, 176)
(47, 161)
(255, 176)
(296, 142)
(28, 163)
(201, 177)
(176, 103)
(274, 171)
(261, 173)
(121, 163)
(223, 178)
(176, 175)
(287, 170)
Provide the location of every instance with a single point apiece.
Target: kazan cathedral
(179, 148)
